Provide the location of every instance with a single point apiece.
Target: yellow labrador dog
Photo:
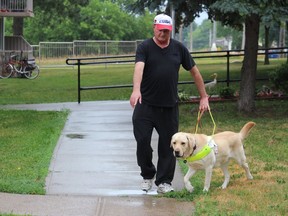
(205, 152)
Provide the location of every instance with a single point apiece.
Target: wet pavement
(94, 170)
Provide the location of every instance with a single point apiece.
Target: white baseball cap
(163, 21)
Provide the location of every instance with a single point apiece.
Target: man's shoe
(146, 184)
(164, 188)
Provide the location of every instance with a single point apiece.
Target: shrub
(182, 96)
(279, 78)
(227, 92)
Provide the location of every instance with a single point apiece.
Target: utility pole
(2, 29)
(214, 32)
(282, 35)
(173, 20)
(243, 37)
(191, 37)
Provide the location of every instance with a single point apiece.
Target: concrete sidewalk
(94, 169)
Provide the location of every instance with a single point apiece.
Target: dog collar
(203, 153)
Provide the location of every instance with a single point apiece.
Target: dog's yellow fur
(229, 145)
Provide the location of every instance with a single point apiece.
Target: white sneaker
(146, 184)
(164, 188)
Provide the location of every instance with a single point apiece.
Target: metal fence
(58, 52)
(100, 48)
(53, 50)
(77, 61)
(81, 48)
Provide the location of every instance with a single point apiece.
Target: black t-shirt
(161, 71)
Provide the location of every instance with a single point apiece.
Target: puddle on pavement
(75, 136)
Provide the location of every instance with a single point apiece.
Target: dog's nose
(177, 153)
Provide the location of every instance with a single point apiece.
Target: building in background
(15, 43)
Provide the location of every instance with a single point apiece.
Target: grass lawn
(27, 141)
(28, 138)
(60, 84)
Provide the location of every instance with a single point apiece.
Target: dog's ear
(190, 141)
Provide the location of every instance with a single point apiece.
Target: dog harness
(204, 152)
(208, 147)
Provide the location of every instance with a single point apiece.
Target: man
(155, 101)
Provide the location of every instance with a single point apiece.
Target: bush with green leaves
(227, 92)
(183, 96)
(279, 78)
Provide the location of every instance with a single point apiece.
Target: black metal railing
(130, 58)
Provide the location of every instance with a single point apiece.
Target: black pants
(165, 121)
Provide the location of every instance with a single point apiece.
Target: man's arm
(137, 79)
(204, 103)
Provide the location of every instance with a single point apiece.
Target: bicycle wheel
(31, 72)
(6, 71)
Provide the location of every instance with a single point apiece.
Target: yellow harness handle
(199, 118)
(207, 148)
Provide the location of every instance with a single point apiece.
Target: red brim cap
(163, 26)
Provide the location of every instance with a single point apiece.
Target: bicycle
(23, 67)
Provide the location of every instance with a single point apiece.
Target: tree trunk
(246, 101)
(266, 61)
(18, 23)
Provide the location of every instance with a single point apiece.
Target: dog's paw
(205, 190)
(250, 177)
(190, 190)
(189, 187)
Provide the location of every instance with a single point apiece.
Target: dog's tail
(246, 129)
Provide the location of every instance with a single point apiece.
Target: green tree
(104, 20)
(49, 27)
(85, 20)
(224, 31)
(201, 35)
(142, 26)
(52, 7)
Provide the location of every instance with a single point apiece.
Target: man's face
(162, 35)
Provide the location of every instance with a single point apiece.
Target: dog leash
(207, 148)
(200, 113)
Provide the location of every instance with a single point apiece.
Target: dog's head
(182, 144)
